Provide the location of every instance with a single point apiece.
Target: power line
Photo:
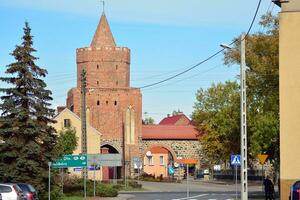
(210, 57)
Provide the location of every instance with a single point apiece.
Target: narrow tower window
(116, 67)
(117, 82)
(98, 103)
(106, 102)
(97, 66)
(97, 82)
(116, 103)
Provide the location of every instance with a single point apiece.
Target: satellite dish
(176, 164)
(148, 153)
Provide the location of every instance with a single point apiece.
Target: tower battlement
(102, 54)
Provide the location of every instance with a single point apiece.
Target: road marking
(191, 198)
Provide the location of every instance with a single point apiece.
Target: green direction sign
(71, 161)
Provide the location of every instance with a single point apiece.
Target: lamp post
(243, 113)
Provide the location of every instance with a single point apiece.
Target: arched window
(130, 125)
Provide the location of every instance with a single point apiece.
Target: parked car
(29, 191)
(295, 191)
(11, 191)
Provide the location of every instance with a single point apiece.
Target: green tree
(216, 117)
(29, 142)
(67, 141)
(262, 51)
(148, 121)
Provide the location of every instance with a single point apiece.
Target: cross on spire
(103, 6)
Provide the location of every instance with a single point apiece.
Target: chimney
(60, 108)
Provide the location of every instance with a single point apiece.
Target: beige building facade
(67, 118)
(289, 69)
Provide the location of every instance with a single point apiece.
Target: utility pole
(123, 149)
(244, 166)
(83, 124)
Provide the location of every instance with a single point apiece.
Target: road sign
(262, 158)
(236, 160)
(137, 163)
(171, 170)
(109, 160)
(70, 161)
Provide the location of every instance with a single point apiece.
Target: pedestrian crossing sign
(236, 160)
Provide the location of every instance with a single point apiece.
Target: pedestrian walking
(269, 189)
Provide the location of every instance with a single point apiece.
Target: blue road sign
(236, 160)
(171, 170)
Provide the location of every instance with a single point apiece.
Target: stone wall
(185, 149)
(181, 148)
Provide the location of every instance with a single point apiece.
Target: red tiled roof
(172, 120)
(171, 132)
(159, 150)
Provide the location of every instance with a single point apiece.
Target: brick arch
(162, 146)
(112, 145)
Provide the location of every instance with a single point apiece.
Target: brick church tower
(113, 107)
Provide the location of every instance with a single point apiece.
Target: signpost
(70, 161)
(262, 160)
(236, 161)
(187, 162)
(137, 163)
(49, 180)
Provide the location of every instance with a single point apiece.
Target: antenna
(103, 6)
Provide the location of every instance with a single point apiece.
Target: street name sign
(262, 158)
(236, 160)
(70, 161)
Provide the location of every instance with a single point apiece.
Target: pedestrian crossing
(206, 197)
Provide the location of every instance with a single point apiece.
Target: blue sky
(164, 36)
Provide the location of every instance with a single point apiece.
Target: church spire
(103, 36)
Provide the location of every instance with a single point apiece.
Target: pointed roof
(103, 36)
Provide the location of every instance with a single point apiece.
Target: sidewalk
(119, 197)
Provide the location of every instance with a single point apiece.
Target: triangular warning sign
(262, 158)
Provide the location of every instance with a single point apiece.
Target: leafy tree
(148, 121)
(216, 115)
(67, 141)
(262, 51)
(29, 142)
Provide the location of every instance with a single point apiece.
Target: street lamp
(244, 172)
(225, 46)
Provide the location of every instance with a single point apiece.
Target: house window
(97, 82)
(97, 66)
(98, 103)
(67, 123)
(161, 160)
(106, 102)
(150, 160)
(116, 103)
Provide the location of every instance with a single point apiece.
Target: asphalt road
(199, 190)
(192, 196)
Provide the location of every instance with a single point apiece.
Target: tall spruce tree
(28, 140)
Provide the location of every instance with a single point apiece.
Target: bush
(134, 184)
(74, 187)
(105, 190)
(56, 193)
